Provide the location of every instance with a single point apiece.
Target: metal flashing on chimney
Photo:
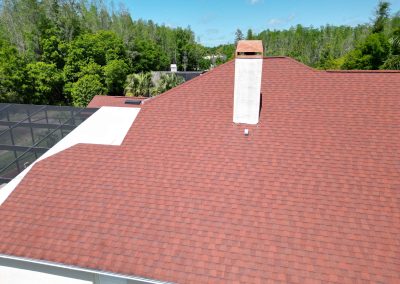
(247, 90)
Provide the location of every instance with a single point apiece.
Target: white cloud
(281, 21)
(253, 2)
(207, 18)
(275, 21)
(212, 31)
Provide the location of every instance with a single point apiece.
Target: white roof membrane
(107, 126)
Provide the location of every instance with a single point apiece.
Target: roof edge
(294, 61)
(332, 70)
(362, 71)
(82, 269)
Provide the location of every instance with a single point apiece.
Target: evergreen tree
(249, 34)
(238, 36)
(381, 16)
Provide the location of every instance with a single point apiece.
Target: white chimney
(174, 68)
(247, 92)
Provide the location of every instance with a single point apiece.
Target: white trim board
(107, 126)
(80, 269)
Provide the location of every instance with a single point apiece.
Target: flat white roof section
(107, 126)
(29, 275)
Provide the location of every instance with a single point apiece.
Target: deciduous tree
(85, 89)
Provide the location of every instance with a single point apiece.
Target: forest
(370, 46)
(66, 51)
(63, 52)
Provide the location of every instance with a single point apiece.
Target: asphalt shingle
(311, 195)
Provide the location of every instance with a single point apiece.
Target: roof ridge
(147, 100)
(331, 71)
(294, 61)
(206, 74)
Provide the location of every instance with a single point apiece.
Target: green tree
(85, 37)
(99, 48)
(82, 38)
(52, 50)
(204, 63)
(250, 35)
(381, 16)
(45, 82)
(115, 75)
(395, 41)
(327, 60)
(139, 85)
(187, 52)
(85, 89)
(12, 74)
(369, 55)
(168, 81)
(149, 57)
(373, 52)
(238, 36)
(393, 61)
(90, 68)
(227, 50)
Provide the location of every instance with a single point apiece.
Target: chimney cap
(249, 49)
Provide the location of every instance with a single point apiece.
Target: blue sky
(215, 21)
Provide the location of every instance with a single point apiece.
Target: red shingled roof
(312, 195)
(118, 101)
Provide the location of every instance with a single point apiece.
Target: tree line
(66, 51)
(369, 46)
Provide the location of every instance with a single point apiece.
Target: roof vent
(248, 71)
(133, 102)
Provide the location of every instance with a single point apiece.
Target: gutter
(76, 268)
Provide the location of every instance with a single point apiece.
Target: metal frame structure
(28, 131)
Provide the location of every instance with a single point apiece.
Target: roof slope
(311, 195)
(115, 101)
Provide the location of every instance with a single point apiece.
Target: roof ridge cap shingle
(294, 61)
